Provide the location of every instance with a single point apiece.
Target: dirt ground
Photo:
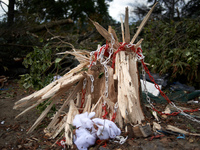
(13, 132)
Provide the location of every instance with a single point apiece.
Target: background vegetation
(32, 31)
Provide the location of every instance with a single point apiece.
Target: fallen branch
(50, 25)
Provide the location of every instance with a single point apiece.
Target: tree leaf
(57, 60)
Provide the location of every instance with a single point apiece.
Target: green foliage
(77, 10)
(38, 61)
(42, 106)
(173, 48)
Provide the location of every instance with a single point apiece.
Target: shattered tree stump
(128, 88)
(106, 82)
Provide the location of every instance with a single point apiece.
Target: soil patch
(13, 132)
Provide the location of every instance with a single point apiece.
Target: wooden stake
(105, 34)
(122, 28)
(126, 22)
(142, 24)
(111, 30)
(138, 43)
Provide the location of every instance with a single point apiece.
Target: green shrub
(173, 48)
(37, 61)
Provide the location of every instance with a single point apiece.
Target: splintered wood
(112, 93)
(128, 88)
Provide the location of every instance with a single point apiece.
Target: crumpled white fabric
(86, 134)
(84, 120)
(106, 129)
(84, 139)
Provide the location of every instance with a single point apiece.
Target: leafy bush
(38, 61)
(173, 48)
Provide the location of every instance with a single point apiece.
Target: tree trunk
(11, 12)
